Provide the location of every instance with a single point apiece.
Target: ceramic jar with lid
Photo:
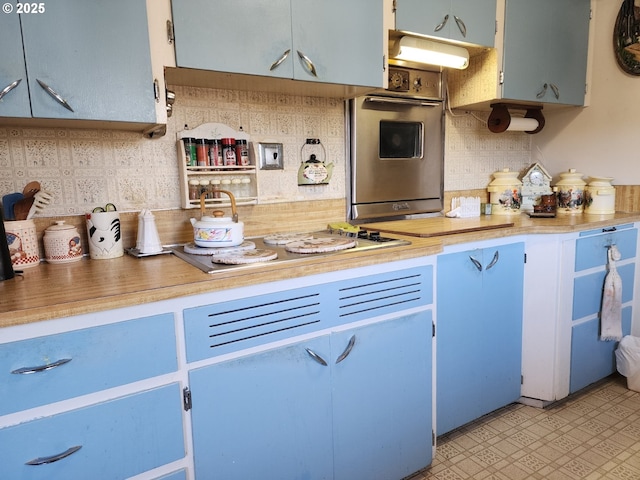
(505, 193)
(599, 196)
(570, 192)
(62, 243)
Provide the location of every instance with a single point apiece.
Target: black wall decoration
(626, 37)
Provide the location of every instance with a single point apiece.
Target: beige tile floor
(593, 434)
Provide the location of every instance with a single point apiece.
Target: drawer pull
(441, 25)
(612, 229)
(54, 458)
(347, 351)
(41, 368)
(56, 96)
(277, 63)
(308, 64)
(461, 26)
(9, 87)
(496, 257)
(476, 263)
(316, 357)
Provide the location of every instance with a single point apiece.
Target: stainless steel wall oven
(397, 148)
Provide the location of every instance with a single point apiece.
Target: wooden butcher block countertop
(462, 230)
(52, 291)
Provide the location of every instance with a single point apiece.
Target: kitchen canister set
(572, 194)
(62, 242)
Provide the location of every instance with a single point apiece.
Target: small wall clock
(535, 182)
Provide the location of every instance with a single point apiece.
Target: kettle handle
(234, 211)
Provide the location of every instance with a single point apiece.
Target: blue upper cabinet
(469, 21)
(545, 50)
(83, 60)
(14, 90)
(329, 41)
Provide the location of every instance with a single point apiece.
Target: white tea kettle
(218, 231)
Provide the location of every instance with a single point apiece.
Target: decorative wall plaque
(626, 37)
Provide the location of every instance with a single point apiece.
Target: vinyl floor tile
(591, 435)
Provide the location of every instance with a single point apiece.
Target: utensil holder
(105, 238)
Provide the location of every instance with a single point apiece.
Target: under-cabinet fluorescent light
(420, 50)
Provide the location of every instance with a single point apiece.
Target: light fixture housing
(421, 50)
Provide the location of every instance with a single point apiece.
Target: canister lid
(571, 177)
(505, 177)
(600, 181)
(59, 227)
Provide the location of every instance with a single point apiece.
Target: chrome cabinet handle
(41, 368)
(441, 25)
(307, 63)
(54, 458)
(316, 357)
(347, 351)
(461, 26)
(9, 87)
(476, 263)
(496, 257)
(542, 92)
(277, 63)
(55, 95)
(555, 90)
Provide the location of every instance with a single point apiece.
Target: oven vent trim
(230, 326)
(380, 296)
(227, 327)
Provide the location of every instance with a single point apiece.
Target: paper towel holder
(500, 118)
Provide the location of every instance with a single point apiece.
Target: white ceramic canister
(505, 193)
(23, 243)
(62, 243)
(599, 196)
(570, 192)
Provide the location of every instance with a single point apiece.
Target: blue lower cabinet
(117, 439)
(267, 414)
(479, 333)
(592, 359)
(346, 405)
(382, 399)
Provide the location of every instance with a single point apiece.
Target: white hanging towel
(611, 313)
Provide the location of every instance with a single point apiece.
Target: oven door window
(400, 139)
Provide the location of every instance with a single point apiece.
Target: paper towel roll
(520, 124)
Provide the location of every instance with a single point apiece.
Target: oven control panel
(421, 83)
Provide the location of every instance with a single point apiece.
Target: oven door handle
(403, 101)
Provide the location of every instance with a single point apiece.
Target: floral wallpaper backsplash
(84, 168)
(473, 153)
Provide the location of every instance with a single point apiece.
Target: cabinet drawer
(118, 439)
(591, 359)
(587, 290)
(591, 248)
(230, 326)
(100, 357)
